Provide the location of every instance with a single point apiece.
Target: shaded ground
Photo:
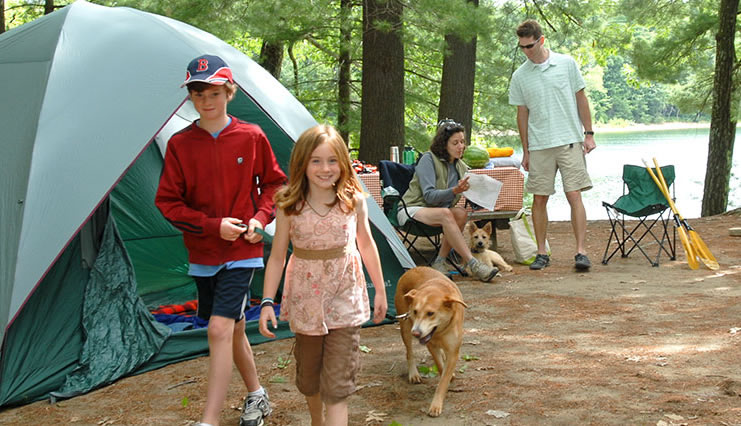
(623, 344)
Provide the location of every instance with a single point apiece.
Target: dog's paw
(414, 377)
(506, 268)
(435, 409)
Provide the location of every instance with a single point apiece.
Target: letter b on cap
(202, 64)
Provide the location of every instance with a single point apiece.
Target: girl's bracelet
(266, 301)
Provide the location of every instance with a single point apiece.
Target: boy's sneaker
(255, 410)
(481, 271)
(540, 262)
(440, 266)
(582, 262)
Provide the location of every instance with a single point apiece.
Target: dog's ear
(487, 228)
(471, 227)
(450, 300)
(410, 295)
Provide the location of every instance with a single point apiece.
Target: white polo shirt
(548, 91)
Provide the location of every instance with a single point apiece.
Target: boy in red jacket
(217, 186)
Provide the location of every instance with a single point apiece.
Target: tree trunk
(382, 114)
(2, 16)
(48, 6)
(343, 80)
(459, 75)
(722, 126)
(271, 57)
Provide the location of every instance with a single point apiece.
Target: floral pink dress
(321, 295)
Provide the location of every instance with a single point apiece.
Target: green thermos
(409, 155)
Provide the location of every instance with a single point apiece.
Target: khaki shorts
(568, 159)
(401, 215)
(328, 364)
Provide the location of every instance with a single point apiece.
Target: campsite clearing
(623, 344)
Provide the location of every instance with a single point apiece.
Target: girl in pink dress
(323, 213)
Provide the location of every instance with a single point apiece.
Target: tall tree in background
(271, 57)
(2, 16)
(48, 6)
(382, 93)
(722, 125)
(458, 78)
(343, 78)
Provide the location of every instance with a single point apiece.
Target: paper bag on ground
(483, 190)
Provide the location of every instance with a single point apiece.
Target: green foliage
(426, 371)
(18, 12)
(642, 60)
(283, 362)
(277, 379)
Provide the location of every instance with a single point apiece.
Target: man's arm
(522, 116)
(582, 105)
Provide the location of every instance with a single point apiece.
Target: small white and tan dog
(479, 242)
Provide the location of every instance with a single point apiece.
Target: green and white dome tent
(85, 92)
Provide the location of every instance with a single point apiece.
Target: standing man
(556, 132)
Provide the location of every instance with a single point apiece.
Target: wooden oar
(691, 256)
(698, 245)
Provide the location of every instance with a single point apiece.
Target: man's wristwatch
(589, 132)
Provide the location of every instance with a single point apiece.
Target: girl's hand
(379, 308)
(267, 313)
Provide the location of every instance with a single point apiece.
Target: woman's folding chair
(649, 217)
(397, 176)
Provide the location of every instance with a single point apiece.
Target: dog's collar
(402, 316)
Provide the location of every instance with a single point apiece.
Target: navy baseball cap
(208, 69)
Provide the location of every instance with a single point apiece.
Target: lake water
(686, 149)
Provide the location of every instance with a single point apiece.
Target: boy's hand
(267, 313)
(251, 235)
(229, 229)
(380, 305)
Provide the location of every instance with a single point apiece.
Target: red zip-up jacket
(206, 179)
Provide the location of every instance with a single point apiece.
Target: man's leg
(578, 219)
(540, 221)
(220, 332)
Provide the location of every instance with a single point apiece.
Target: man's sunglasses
(528, 46)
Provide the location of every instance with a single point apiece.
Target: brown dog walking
(430, 308)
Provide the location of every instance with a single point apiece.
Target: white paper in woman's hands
(483, 190)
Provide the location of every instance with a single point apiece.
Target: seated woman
(434, 191)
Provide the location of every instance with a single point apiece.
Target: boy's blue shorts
(225, 294)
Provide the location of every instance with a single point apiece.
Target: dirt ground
(626, 343)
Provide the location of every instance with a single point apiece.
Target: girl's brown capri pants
(328, 364)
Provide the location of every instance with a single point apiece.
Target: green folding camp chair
(648, 217)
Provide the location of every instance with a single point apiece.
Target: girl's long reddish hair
(291, 198)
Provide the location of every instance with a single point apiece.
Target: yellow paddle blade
(691, 256)
(702, 251)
